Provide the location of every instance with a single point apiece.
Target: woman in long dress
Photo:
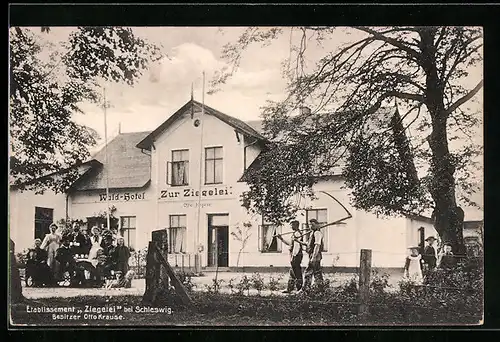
(51, 243)
(413, 267)
(96, 240)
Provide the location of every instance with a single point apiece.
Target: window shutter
(168, 173)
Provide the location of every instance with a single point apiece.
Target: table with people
(77, 258)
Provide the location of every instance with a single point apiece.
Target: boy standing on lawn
(296, 255)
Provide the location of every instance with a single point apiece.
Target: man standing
(314, 247)
(430, 255)
(295, 280)
(79, 240)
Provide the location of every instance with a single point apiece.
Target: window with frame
(268, 241)
(43, 219)
(101, 222)
(177, 234)
(322, 216)
(179, 168)
(128, 230)
(213, 165)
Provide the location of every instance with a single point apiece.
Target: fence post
(152, 265)
(365, 269)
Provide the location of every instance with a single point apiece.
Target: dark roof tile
(128, 166)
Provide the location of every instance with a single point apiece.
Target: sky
(166, 86)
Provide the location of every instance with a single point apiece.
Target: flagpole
(106, 168)
(201, 162)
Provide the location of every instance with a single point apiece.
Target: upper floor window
(213, 165)
(179, 168)
(322, 217)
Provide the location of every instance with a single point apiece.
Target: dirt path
(201, 283)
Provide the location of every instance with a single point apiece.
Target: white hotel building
(154, 184)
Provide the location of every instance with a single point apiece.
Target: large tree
(47, 86)
(49, 82)
(397, 160)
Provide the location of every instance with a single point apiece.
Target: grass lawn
(175, 317)
(225, 310)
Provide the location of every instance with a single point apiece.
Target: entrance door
(218, 240)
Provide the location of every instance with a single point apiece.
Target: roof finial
(119, 127)
(192, 91)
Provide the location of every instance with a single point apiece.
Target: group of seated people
(67, 258)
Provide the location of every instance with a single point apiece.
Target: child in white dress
(413, 266)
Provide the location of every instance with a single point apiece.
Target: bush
(379, 284)
(321, 289)
(243, 285)
(138, 262)
(274, 283)
(215, 286)
(257, 282)
(185, 279)
(231, 285)
(454, 296)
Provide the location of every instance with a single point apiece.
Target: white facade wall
(22, 214)
(152, 206)
(128, 202)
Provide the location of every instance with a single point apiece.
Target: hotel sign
(126, 196)
(190, 193)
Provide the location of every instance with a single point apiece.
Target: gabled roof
(128, 166)
(237, 124)
(256, 125)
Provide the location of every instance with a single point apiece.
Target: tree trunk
(16, 290)
(449, 224)
(448, 216)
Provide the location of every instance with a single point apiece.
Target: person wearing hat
(430, 256)
(446, 259)
(413, 266)
(314, 247)
(296, 255)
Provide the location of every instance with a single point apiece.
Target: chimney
(305, 110)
